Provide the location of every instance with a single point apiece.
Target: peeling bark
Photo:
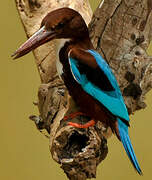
(121, 31)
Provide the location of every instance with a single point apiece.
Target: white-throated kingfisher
(86, 74)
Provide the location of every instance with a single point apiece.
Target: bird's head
(60, 23)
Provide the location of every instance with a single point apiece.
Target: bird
(87, 76)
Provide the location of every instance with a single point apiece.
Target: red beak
(40, 37)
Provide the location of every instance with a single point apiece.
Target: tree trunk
(121, 32)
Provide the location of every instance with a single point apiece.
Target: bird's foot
(86, 125)
(73, 115)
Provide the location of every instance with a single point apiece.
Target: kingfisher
(87, 76)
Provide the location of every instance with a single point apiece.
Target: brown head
(61, 23)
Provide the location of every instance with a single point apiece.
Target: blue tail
(123, 132)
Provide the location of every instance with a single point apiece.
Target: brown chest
(86, 102)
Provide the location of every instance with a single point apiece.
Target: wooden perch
(121, 31)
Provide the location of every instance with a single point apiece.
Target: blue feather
(123, 132)
(112, 100)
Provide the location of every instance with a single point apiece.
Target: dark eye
(60, 25)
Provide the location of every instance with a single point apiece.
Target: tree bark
(121, 31)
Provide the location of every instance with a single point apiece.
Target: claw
(88, 124)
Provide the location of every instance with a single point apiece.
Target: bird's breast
(86, 102)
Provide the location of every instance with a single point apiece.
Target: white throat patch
(59, 45)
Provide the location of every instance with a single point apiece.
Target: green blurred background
(24, 152)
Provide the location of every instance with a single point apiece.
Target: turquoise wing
(112, 100)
